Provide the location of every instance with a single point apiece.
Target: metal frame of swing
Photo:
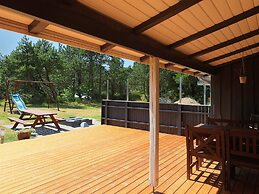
(10, 104)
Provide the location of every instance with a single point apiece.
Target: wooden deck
(103, 159)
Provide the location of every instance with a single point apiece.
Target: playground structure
(16, 86)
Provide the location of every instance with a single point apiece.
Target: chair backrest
(228, 123)
(254, 120)
(208, 143)
(243, 143)
(17, 100)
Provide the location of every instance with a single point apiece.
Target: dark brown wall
(232, 100)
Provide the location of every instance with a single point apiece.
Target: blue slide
(17, 100)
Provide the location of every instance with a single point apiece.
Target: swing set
(16, 85)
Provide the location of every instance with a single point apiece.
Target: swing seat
(19, 103)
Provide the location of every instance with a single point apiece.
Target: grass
(10, 135)
(72, 109)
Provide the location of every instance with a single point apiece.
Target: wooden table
(38, 117)
(241, 147)
(213, 126)
(209, 126)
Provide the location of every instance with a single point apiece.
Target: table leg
(41, 120)
(35, 122)
(55, 122)
(16, 123)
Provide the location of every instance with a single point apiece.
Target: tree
(32, 62)
(139, 81)
(84, 73)
(169, 88)
(190, 87)
(117, 76)
(84, 70)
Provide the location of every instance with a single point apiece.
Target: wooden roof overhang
(193, 37)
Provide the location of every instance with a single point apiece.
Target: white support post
(154, 121)
(107, 90)
(180, 90)
(127, 90)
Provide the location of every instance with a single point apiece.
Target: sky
(9, 40)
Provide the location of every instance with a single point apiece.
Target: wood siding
(173, 117)
(232, 100)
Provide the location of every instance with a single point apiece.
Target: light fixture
(242, 77)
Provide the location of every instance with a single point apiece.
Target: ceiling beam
(164, 15)
(232, 53)
(216, 27)
(255, 55)
(37, 27)
(184, 70)
(106, 47)
(69, 2)
(144, 59)
(179, 70)
(79, 17)
(196, 73)
(226, 43)
(169, 65)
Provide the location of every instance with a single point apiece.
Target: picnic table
(37, 117)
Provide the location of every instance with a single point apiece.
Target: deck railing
(173, 117)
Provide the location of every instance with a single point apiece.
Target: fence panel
(173, 117)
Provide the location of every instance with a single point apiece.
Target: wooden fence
(173, 117)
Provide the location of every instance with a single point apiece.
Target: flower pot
(242, 79)
(24, 135)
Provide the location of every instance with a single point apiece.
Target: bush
(26, 130)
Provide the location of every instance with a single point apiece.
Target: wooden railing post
(179, 119)
(126, 114)
(106, 112)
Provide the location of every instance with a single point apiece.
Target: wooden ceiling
(193, 37)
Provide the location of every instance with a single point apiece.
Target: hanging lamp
(242, 77)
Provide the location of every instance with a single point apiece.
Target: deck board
(101, 159)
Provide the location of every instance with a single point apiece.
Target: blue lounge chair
(19, 103)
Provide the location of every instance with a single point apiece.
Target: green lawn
(66, 110)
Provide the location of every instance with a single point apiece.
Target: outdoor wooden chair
(242, 148)
(204, 143)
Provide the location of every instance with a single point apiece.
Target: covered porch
(199, 38)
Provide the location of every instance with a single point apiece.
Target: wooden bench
(57, 119)
(20, 121)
